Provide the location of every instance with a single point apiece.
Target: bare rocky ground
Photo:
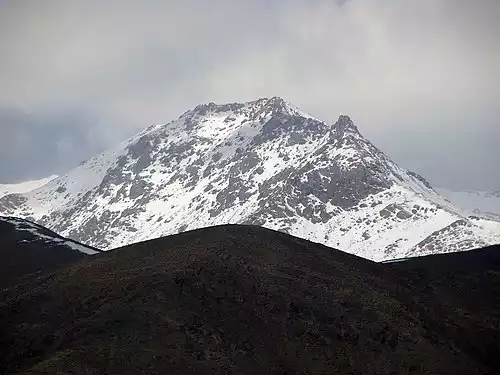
(248, 300)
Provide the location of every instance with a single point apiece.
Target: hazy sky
(421, 79)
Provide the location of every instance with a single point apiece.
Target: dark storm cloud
(419, 77)
(28, 146)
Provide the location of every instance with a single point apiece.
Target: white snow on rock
(24, 187)
(263, 162)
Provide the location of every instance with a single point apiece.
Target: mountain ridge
(246, 299)
(262, 162)
(25, 186)
(477, 202)
(27, 247)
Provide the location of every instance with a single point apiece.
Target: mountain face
(26, 247)
(263, 162)
(248, 300)
(24, 187)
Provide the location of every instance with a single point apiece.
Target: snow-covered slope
(24, 187)
(481, 203)
(263, 162)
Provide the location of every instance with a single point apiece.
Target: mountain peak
(277, 105)
(276, 101)
(273, 100)
(345, 122)
(344, 126)
(262, 162)
(255, 110)
(274, 104)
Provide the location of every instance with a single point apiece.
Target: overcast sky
(421, 79)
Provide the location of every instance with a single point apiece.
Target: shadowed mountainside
(26, 247)
(243, 299)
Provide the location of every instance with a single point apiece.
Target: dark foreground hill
(243, 299)
(26, 247)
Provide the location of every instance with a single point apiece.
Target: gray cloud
(419, 78)
(33, 146)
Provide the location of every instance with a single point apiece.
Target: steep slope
(24, 187)
(26, 247)
(263, 162)
(244, 299)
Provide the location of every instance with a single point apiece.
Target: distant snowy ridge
(24, 187)
(263, 162)
(476, 202)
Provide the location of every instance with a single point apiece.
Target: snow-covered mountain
(24, 187)
(482, 203)
(263, 162)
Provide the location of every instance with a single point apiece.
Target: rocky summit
(264, 162)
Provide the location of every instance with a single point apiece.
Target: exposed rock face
(263, 162)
